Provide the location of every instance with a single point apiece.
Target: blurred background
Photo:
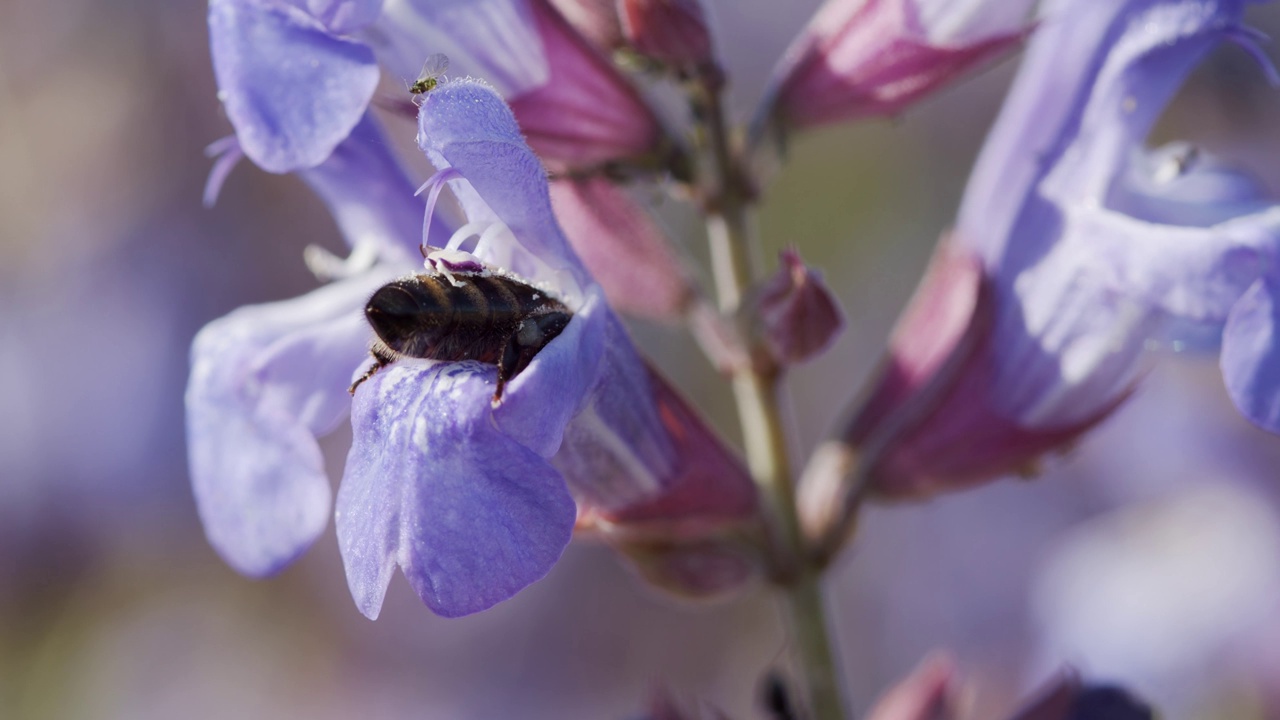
(1150, 555)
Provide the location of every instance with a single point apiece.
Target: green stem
(735, 257)
(817, 659)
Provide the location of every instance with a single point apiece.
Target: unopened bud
(793, 315)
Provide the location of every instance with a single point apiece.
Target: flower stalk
(736, 267)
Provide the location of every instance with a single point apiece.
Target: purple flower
(1097, 246)
(296, 77)
(471, 499)
(1075, 250)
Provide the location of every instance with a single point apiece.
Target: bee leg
(510, 364)
(381, 359)
(532, 335)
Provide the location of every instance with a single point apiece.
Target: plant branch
(737, 266)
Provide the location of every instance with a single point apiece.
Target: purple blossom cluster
(1075, 251)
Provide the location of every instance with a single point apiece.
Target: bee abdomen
(430, 317)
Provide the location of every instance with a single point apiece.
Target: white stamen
(490, 234)
(327, 266)
(436, 183)
(466, 232)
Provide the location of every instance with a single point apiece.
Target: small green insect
(432, 70)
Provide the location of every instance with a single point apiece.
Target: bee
(432, 70)
(463, 315)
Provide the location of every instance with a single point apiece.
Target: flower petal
(341, 17)
(292, 90)
(543, 398)
(1096, 76)
(670, 31)
(1251, 354)
(492, 39)
(860, 58)
(597, 20)
(623, 248)
(466, 125)
(616, 452)
(638, 453)
(470, 515)
(664, 491)
(368, 193)
(1090, 283)
(586, 113)
(1179, 184)
(265, 381)
(934, 421)
(371, 197)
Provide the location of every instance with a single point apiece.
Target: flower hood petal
(1094, 254)
(466, 126)
(1075, 249)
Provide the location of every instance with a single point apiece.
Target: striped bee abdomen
(486, 318)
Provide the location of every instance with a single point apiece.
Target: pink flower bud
(793, 315)
(670, 31)
(586, 113)
(623, 248)
(860, 58)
